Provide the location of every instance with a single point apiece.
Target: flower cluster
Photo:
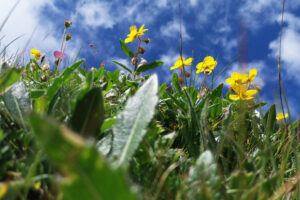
(241, 85)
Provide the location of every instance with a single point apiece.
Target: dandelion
(36, 53)
(181, 62)
(134, 33)
(280, 116)
(184, 88)
(58, 54)
(207, 65)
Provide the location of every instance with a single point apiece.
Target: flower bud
(102, 64)
(32, 66)
(46, 67)
(93, 69)
(146, 40)
(143, 62)
(44, 78)
(187, 74)
(134, 61)
(181, 81)
(56, 62)
(68, 23)
(142, 79)
(141, 50)
(68, 37)
(122, 72)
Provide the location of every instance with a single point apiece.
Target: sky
(222, 29)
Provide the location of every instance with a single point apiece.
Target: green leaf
(121, 65)
(99, 74)
(87, 85)
(52, 90)
(149, 66)
(8, 78)
(108, 123)
(217, 92)
(270, 120)
(203, 179)
(133, 120)
(125, 49)
(36, 93)
(17, 102)
(89, 113)
(175, 82)
(88, 175)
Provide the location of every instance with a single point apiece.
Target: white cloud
(28, 20)
(290, 48)
(94, 14)
(172, 29)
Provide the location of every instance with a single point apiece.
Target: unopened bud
(68, 37)
(102, 64)
(141, 50)
(187, 74)
(56, 62)
(257, 87)
(46, 67)
(122, 72)
(92, 45)
(146, 40)
(68, 23)
(142, 79)
(143, 62)
(93, 69)
(44, 78)
(32, 66)
(43, 58)
(181, 81)
(134, 61)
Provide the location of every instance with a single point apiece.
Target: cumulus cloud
(172, 29)
(38, 30)
(290, 47)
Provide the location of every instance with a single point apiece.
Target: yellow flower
(207, 65)
(242, 93)
(134, 33)
(252, 74)
(36, 53)
(280, 116)
(3, 190)
(180, 63)
(237, 78)
(184, 88)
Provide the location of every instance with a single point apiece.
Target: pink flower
(59, 54)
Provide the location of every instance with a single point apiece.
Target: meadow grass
(97, 134)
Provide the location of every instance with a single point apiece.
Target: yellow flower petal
(133, 28)
(230, 81)
(184, 88)
(3, 190)
(188, 61)
(174, 67)
(252, 74)
(280, 116)
(234, 97)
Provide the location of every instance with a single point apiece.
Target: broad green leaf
(125, 49)
(121, 65)
(88, 175)
(88, 115)
(217, 92)
(8, 78)
(36, 93)
(52, 90)
(17, 102)
(108, 123)
(216, 108)
(149, 66)
(270, 120)
(133, 120)
(203, 179)
(88, 84)
(175, 82)
(99, 74)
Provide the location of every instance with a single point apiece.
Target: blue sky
(209, 27)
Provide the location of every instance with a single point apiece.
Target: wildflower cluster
(240, 84)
